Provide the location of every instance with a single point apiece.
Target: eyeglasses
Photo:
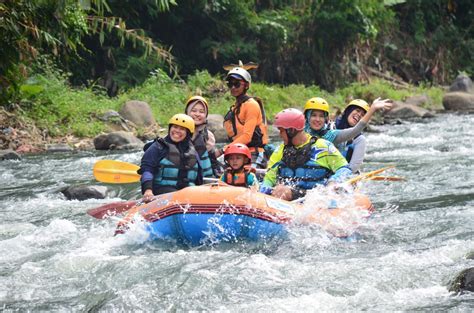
(233, 83)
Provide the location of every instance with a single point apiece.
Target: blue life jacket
(171, 165)
(297, 168)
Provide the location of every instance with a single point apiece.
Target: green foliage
(60, 109)
(58, 28)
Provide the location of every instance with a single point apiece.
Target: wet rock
(117, 141)
(9, 155)
(470, 255)
(459, 101)
(464, 281)
(420, 100)
(462, 83)
(403, 110)
(60, 147)
(215, 123)
(138, 112)
(84, 192)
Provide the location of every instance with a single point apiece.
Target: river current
(55, 257)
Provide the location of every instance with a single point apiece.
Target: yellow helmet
(317, 104)
(198, 98)
(359, 103)
(183, 120)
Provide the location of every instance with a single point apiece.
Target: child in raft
(239, 171)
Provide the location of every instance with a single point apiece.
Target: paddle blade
(387, 178)
(367, 175)
(114, 208)
(116, 172)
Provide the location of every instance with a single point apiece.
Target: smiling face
(177, 133)
(198, 113)
(355, 116)
(236, 161)
(317, 119)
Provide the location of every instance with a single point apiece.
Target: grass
(60, 109)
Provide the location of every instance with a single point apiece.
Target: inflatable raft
(218, 212)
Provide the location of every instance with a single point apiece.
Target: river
(55, 257)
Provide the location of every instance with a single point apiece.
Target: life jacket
(232, 116)
(200, 145)
(239, 179)
(171, 165)
(297, 168)
(347, 148)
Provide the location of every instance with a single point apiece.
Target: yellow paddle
(116, 172)
(367, 175)
(387, 178)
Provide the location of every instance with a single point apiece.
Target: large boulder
(117, 141)
(9, 154)
(419, 100)
(463, 282)
(462, 83)
(84, 192)
(459, 101)
(115, 122)
(138, 112)
(215, 123)
(403, 110)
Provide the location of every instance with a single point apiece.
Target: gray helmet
(239, 73)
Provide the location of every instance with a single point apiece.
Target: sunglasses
(233, 83)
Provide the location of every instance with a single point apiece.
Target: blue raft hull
(206, 229)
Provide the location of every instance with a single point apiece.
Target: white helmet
(239, 73)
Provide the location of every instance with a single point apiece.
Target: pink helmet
(290, 118)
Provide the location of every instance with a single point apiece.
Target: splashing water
(55, 257)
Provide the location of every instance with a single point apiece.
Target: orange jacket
(246, 121)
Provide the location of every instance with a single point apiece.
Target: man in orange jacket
(245, 122)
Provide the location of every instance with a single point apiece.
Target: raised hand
(383, 105)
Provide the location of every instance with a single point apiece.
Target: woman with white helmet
(245, 121)
(203, 139)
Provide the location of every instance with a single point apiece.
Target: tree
(58, 28)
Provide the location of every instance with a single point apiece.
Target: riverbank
(53, 116)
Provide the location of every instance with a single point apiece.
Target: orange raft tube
(218, 212)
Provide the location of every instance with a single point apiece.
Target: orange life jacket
(239, 179)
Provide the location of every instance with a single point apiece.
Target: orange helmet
(237, 148)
